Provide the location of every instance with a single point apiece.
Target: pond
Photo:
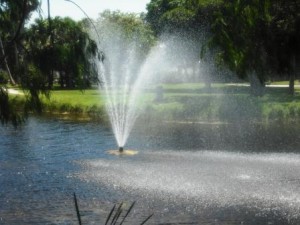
(185, 173)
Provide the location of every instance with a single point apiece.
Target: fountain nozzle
(121, 149)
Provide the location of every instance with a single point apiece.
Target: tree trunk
(68, 80)
(292, 83)
(292, 75)
(17, 61)
(257, 88)
(51, 73)
(12, 81)
(61, 79)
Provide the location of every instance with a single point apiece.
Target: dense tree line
(13, 16)
(65, 50)
(256, 39)
(40, 54)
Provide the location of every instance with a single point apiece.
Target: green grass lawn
(85, 98)
(228, 103)
(188, 101)
(297, 82)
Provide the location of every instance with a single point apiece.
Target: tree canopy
(37, 55)
(257, 39)
(66, 50)
(180, 15)
(13, 16)
(129, 27)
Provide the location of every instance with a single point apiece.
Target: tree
(124, 39)
(282, 41)
(13, 15)
(67, 50)
(187, 22)
(31, 55)
(238, 32)
(129, 26)
(12, 81)
(169, 16)
(258, 39)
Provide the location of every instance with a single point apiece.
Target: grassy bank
(86, 103)
(192, 102)
(229, 103)
(81, 104)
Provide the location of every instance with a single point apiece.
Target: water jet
(123, 79)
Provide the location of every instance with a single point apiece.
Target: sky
(91, 7)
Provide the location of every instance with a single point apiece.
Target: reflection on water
(180, 174)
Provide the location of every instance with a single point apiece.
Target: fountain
(124, 75)
(247, 186)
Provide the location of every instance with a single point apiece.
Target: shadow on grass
(227, 108)
(233, 103)
(222, 89)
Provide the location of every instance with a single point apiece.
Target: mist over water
(257, 185)
(260, 184)
(125, 73)
(46, 160)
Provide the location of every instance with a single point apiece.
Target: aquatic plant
(114, 215)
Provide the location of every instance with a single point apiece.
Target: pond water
(185, 173)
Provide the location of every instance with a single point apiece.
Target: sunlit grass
(189, 101)
(77, 97)
(229, 103)
(182, 86)
(285, 82)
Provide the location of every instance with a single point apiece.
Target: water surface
(184, 173)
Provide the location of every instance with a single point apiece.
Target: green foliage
(282, 41)
(66, 49)
(238, 31)
(168, 16)
(34, 85)
(183, 102)
(257, 37)
(193, 103)
(130, 28)
(180, 15)
(57, 49)
(76, 103)
(8, 110)
(183, 25)
(4, 78)
(13, 15)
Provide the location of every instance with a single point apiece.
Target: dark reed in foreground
(115, 214)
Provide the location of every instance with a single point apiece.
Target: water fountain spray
(101, 55)
(123, 78)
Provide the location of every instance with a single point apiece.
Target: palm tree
(66, 50)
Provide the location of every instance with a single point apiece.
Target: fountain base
(122, 152)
